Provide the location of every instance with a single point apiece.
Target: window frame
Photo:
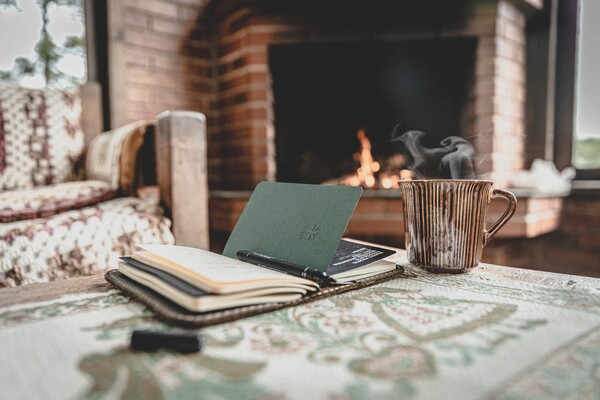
(96, 35)
(566, 88)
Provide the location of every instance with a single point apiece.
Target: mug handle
(508, 213)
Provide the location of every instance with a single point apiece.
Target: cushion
(79, 242)
(44, 201)
(40, 136)
(111, 156)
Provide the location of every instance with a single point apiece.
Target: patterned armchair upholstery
(66, 212)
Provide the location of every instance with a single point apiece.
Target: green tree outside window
(47, 52)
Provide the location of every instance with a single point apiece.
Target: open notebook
(299, 226)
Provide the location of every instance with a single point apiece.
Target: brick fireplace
(254, 45)
(247, 37)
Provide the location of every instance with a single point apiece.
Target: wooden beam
(91, 113)
(182, 175)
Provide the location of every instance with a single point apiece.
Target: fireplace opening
(324, 93)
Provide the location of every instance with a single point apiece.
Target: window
(42, 43)
(576, 105)
(586, 140)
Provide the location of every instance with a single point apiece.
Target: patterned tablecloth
(494, 333)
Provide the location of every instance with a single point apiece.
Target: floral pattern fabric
(45, 201)
(41, 140)
(79, 242)
(488, 334)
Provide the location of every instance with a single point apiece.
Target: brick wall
(159, 56)
(500, 91)
(245, 130)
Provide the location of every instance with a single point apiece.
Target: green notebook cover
(299, 223)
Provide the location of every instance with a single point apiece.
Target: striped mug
(444, 222)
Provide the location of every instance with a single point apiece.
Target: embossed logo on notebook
(309, 231)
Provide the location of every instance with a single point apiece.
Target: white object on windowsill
(544, 177)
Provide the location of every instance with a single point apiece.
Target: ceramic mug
(444, 222)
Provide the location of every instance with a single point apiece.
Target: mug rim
(446, 180)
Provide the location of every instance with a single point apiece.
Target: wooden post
(91, 114)
(181, 172)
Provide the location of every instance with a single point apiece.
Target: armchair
(72, 199)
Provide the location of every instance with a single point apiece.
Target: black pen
(146, 340)
(285, 267)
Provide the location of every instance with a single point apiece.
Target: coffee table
(495, 332)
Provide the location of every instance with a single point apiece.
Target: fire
(368, 167)
(370, 173)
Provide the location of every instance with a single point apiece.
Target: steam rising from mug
(453, 160)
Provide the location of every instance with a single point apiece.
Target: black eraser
(145, 340)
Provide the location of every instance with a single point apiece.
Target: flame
(368, 166)
(369, 174)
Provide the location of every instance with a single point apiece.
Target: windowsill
(586, 188)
